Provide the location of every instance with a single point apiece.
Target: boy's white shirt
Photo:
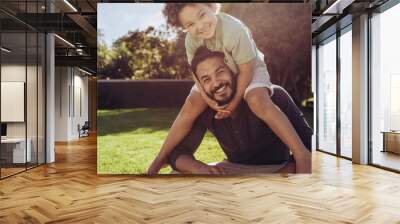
(231, 37)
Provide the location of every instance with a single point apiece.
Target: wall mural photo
(204, 88)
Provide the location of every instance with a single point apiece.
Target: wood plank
(70, 191)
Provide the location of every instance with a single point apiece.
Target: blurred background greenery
(281, 31)
(142, 55)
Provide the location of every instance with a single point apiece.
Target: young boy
(221, 32)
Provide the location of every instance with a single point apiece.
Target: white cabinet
(17, 147)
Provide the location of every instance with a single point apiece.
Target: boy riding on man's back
(206, 26)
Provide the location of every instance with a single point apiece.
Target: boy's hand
(222, 114)
(156, 166)
(226, 110)
(213, 104)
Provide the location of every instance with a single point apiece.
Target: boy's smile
(199, 20)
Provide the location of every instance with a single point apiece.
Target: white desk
(391, 141)
(18, 150)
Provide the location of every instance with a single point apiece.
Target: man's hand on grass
(156, 166)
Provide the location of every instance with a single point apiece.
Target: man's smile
(220, 89)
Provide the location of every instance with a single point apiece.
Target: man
(249, 144)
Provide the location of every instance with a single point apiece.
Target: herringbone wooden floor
(70, 191)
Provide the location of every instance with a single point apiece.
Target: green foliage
(129, 139)
(103, 55)
(142, 55)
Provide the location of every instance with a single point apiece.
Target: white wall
(71, 93)
(62, 81)
(80, 111)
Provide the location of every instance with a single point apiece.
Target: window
(346, 92)
(385, 84)
(327, 95)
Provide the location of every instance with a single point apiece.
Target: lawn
(129, 139)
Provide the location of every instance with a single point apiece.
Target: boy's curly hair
(171, 11)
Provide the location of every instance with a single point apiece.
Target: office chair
(84, 130)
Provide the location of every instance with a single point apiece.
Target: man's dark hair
(171, 12)
(201, 54)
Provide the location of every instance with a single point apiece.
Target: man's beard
(228, 99)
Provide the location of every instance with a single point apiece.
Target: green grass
(129, 139)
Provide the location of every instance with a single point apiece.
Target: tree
(103, 56)
(147, 54)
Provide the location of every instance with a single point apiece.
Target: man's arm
(181, 158)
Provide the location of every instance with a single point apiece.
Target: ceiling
(76, 22)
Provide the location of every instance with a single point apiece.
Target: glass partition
(31, 98)
(22, 88)
(327, 95)
(346, 92)
(41, 85)
(13, 94)
(385, 89)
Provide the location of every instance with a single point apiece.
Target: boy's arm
(244, 78)
(191, 46)
(244, 52)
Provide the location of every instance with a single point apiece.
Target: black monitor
(3, 129)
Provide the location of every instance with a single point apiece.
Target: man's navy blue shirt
(245, 138)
